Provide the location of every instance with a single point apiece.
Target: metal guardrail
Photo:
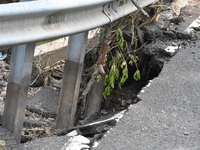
(46, 19)
(30, 22)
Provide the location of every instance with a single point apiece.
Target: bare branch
(106, 39)
(140, 8)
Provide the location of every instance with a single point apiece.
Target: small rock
(196, 28)
(3, 93)
(184, 43)
(123, 102)
(56, 83)
(173, 44)
(163, 22)
(51, 119)
(177, 20)
(130, 101)
(121, 108)
(48, 131)
(104, 112)
(119, 99)
(186, 133)
(5, 76)
(7, 68)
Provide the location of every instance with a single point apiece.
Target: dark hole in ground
(152, 58)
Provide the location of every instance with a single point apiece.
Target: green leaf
(107, 92)
(113, 68)
(118, 33)
(121, 43)
(111, 82)
(123, 80)
(117, 74)
(110, 63)
(136, 75)
(106, 80)
(124, 76)
(104, 95)
(123, 64)
(130, 62)
(98, 78)
(121, 3)
(135, 59)
(125, 71)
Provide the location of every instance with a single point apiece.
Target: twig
(90, 49)
(140, 8)
(46, 69)
(54, 64)
(34, 80)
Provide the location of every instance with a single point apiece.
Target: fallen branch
(140, 8)
(106, 39)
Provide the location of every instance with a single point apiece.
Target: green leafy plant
(120, 39)
(134, 60)
(118, 65)
(112, 77)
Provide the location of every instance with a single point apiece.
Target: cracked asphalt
(168, 116)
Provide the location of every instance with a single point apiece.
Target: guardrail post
(17, 89)
(71, 80)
